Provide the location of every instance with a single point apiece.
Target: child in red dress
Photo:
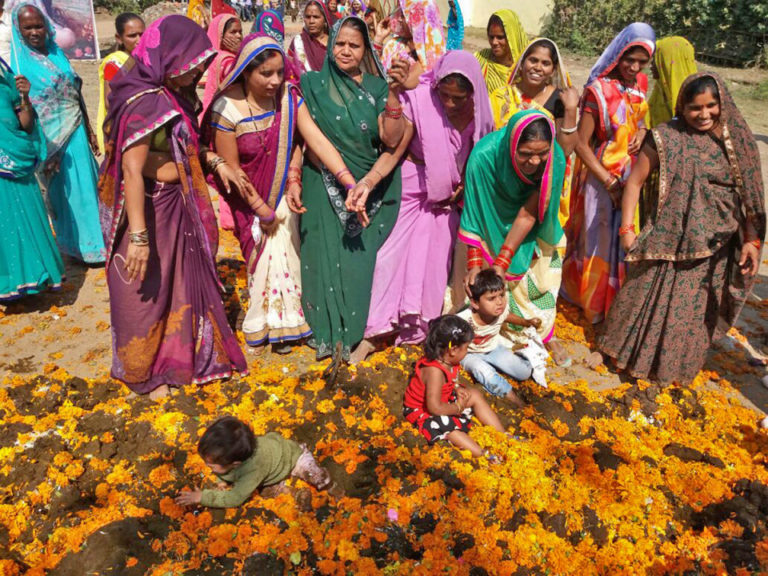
(434, 400)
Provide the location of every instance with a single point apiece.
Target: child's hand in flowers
(189, 497)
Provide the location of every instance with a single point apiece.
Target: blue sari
(29, 259)
(55, 94)
(454, 38)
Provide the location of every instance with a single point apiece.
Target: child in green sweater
(246, 464)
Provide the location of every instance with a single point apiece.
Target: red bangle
(504, 258)
(474, 258)
(756, 243)
(624, 230)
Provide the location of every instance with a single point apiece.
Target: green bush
(118, 6)
(731, 32)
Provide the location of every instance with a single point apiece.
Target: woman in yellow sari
(507, 40)
(539, 82)
(673, 62)
(128, 30)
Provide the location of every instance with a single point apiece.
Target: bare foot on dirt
(594, 360)
(559, 353)
(257, 350)
(361, 352)
(159, 393)
(515, 399)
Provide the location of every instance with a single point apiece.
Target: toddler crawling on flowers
(246, 463)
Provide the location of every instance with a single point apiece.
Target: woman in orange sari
(611, 131)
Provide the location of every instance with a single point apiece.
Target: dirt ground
(70, 328)
(597, 475)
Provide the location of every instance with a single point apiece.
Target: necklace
(256, 130)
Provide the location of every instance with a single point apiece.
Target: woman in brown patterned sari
(693, 264)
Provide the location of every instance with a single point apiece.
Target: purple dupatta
(433, 127)
(171, 328)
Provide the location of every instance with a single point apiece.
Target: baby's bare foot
(594, 360)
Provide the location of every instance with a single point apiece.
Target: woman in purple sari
(254, 125)
(307, 50)
(447, 114)
(169, 326)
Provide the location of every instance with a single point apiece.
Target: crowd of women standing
(352, 162)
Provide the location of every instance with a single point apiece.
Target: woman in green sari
(510, 220)
(29, 259)
(341, 231)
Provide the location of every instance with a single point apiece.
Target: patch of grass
(760, 91)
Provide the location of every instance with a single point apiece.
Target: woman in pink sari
(446, 115)
(226, 35)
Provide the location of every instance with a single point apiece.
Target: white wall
(532, 13)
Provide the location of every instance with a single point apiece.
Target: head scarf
(310, 54)
(674, 61)
(375, 7)
(359, 13)
(455, 25)
(433, 127)
(55, 88)
(423, 19)
(637, 34)
(140, 102)
(223, 61)
(507, 100)
(197, 11)
(219, 7)
(742, 152)
(496, 74)
(270, 22)
(268, 174)
(496, 190)
(348, 113)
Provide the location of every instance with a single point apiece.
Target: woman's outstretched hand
(293, 197)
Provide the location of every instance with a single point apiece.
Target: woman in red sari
(307, 50)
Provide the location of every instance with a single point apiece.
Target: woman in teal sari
(510, 220)
(341, 234)
(29, 259)
(70, 169)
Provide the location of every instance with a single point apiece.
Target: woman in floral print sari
(693, 264)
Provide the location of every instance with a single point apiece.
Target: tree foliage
(724, 31)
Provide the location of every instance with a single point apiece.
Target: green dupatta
(338, 256)
(496, 190)
(348, 113)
